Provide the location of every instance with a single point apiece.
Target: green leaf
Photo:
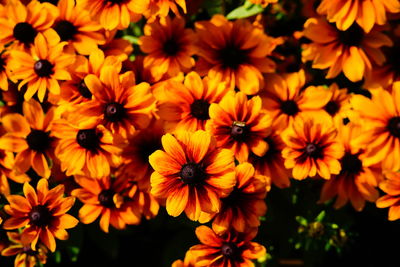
(73, 253)
(213, 7)
(320, 216)
(247, 10)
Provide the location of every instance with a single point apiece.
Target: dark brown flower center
(289, 107)
(352, 37)
(66, 30)
(232, 56)
(332, 108)
(171, 48)
(394, 126)
(106, 198)
(40, 216)
(88, 139)
(38, 140)
(351, 164)
(25, 33)
(84, 90)
(114, 112)
(199, 109)
(229, 250)
(312, 150)
(43, 68)
(192, 173)
(239, 131)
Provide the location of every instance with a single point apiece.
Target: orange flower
(170, 47)
(244, 206)
(365, 13)
(356, 181)
(234, 52)
(75, 26)
(351, 51)
(42, 213)
(26, 257)
(338, 106)
(88, 151)
(42, 69)
(391, 186)
(311, 148)
(186, 106)
(381, 127)
(230, 249)
(240, 125)
(7, 171)
(191, 174)
(29, 137)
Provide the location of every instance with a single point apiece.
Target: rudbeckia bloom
(74, 26)
(381, 127)
(186, 106)
(42, 69)
(234, 52)
(42, 213)
(169, 46)
(191, 174)
(244, 206)
(312, 148)
(355, 182)
(365, 13)
(24, 255)
(89, 150)
(338, 106)
(391, 186)
(240, 125)
(284, 99)
(229, 249)
(29, 137)
(351, 51)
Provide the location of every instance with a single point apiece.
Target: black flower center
(114, 112)
(43, 68)
(199, 109)
(239, 131)
(232, 56)
(353, 36)
(88, 139)
(38, 140)
(332, 108)
(25, 33)
(229, 250)
(40, 216)
(66, 30)
(192, 173)
(351, 164)
(289, 107)
(84, 90)
(171, 48)
(106, 198)
(312, 150)
(394, 126)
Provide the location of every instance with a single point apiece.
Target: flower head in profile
(191, 174)
(391, 186)
(43, 213)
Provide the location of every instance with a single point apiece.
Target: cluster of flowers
(203, 121)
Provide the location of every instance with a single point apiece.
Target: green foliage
(248, 9)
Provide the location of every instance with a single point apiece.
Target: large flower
(191, 174)
(234, 52)
(391, 186)
(42, 213)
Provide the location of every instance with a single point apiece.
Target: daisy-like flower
(29, 137)
(75, 26)
(244, 206)
(186, 106)
(351, 51)
(42, 213)
(24, 255)
(42, 69)
(191, 174)
(338, 106)
(118, 104)
(20, 24)
(391, 186)
(311, 149)
(88, 151)
(365, 13)
(381, 127)
(284, 99)
(229, 249)
(355, 182)
(7, 171)
(240, 125)
(234, 52)
(170, 47)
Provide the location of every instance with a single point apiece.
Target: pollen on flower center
(43, 68)
(25, 33)
(352, 37)
(88, 139)
(232, 56)
(332, 108)
(84, 90)
(192, 173)
(312, 150)
(351, 164)
(394, 126)
(289, 107)
(229, 250)
(38, 140)
(106, 198)
(114, 112)
(66, 30)
(199, 109)
(239, 131)
(40, 216)
(170, 47)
